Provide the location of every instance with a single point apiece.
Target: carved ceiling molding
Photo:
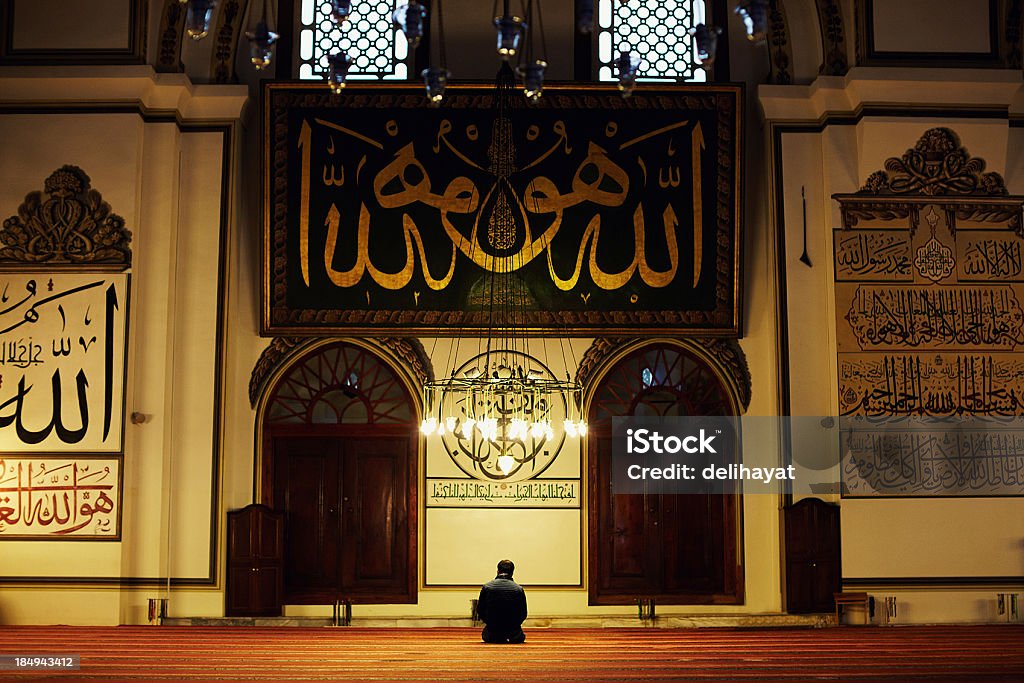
(725, 355)
(172, 26)
(65, 224)
(937, 171)
(408, 353)
(833, 38)
(780, 51)
(226, 36)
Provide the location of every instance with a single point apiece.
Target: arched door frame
(727, 363)
(405, 359)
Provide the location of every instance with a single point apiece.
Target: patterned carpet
(937, 653)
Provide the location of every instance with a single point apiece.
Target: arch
(172, 28)
(780, 52)
(834, 61)
(338, 452)
(723, 356)
(677, 549)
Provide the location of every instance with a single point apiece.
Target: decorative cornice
(725, 354)
(65, 224)
(407, 352)
(937, 165)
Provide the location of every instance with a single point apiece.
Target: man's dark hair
(506, 567)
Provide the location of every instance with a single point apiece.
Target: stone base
(668, 621)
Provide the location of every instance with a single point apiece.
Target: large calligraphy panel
(930, 328)
(62, 362)
(53, 497)
(591, 212)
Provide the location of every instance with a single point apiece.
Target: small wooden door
(813, 568)
(255, 562)
(346, 506)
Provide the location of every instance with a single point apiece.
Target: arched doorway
(676, 549)
(340, 460)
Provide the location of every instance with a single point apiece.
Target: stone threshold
(667, 621)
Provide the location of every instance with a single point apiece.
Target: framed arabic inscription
(598, 215)
(929, 285)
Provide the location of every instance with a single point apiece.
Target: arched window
(379, 50)
(657, 31)
(340, 384)
(657, 381)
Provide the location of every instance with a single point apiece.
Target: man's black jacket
(502, 605)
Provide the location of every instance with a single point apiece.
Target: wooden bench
(852, 599)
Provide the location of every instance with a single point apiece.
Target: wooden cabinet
(813, 568)
(255, 562)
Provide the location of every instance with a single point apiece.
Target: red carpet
(937, 653)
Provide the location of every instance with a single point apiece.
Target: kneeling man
(502, 607)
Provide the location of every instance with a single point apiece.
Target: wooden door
(307, 489)
(813, 570)
(676, 549)
(347, 502)
(375, 523)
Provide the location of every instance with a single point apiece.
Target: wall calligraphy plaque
(62, 362)
(54, 497)
(930, 326)
(601, 214)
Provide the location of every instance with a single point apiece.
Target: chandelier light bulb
(261, 43)
(706, 38)
(533, 85)
(506, 463)
(581, 428)
(449, 423)
(467, 428)
(409, 20)
(510, 32)
(198, 16)
(517, 429)
(428, 426)
(341, 10)
(570, 428)
(537, 430)
(338, 65)
(436, 80)
(626, 66)
(754, 14)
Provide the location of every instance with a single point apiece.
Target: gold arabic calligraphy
(405, 182)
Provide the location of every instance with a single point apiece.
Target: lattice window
(340, 384)
(657, 31)
(657, 381)
(380, 50)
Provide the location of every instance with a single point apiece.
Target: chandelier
(503, 406)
